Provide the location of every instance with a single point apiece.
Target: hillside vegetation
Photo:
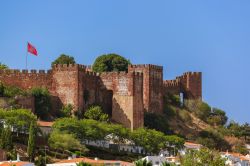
(196, 121)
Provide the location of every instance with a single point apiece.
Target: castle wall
(127, 90)
(189, 83)
(26, 79)
(152, 86)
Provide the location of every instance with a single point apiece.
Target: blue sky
(195, 35)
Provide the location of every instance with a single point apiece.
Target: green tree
(65, 141)
(157, 122)
(6, 139)
(143, 163)
(20, 119)
(212, 139)
(64, 59)
(42, 102)
(96, 113)
(3, 66)
(31, 142)
(217, 117)
(151, 140)
(110, 62)
(202, 157)
(83, 164)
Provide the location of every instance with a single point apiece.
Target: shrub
(96, 113)
(42, 102)
(66, 110)
(213, 140)
(157, 122)
(110, 62)
(184, 116)
(201, 109)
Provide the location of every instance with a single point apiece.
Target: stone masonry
(125, 96)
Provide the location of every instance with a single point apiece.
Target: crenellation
(124, 95)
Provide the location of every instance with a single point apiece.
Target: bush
(110, 62)
(66, 110)
(64, 59)
(157, 122)
(213, 140)
(10, 91)
(96, 113)
(201, 109)
(184, 116)
(42, 102)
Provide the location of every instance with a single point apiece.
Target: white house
(235, 159)
(190, 146)
(155, 160)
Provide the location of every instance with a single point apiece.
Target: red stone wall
(25, 79)
(127, 101)
(152, 86)
(189, 83)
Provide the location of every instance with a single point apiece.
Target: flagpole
(26, 56)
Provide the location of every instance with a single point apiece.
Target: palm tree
(143, 163)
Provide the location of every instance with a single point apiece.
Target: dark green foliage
(217, 117)
(174, 140)
(172, 99)
(40, 161)
(64, 59)
(110, 62)
(3, 66)
(31, 142)
(66, 110)
(96, 113)
(157, 122)
(143, 163)
(1, 89)
(151, 140)
(42, 102)
(6, 139)
(65, 141)
(202, 157)
(20, 119)
(213, 140)
(83, 164)
(10, 91)
(241, 148)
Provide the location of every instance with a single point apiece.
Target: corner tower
(152, 86)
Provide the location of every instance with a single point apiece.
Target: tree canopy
(202, 157)
(64, 59)
(96, 113)
(3, 66)
(110, 62)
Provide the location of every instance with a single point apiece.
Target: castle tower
(152, 86)
(192, 85)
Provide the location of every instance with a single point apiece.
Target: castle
(125, 96)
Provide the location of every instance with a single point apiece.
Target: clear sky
(212, 36)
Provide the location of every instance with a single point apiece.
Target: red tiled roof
(44, 124)
(87, 160)
(20, 163)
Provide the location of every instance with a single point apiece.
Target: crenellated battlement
(172, 83)
(24, 72)
(104, 74)
(150, 66)
(68, 67)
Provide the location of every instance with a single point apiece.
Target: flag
(32, 49)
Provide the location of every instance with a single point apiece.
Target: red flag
(32, 49)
